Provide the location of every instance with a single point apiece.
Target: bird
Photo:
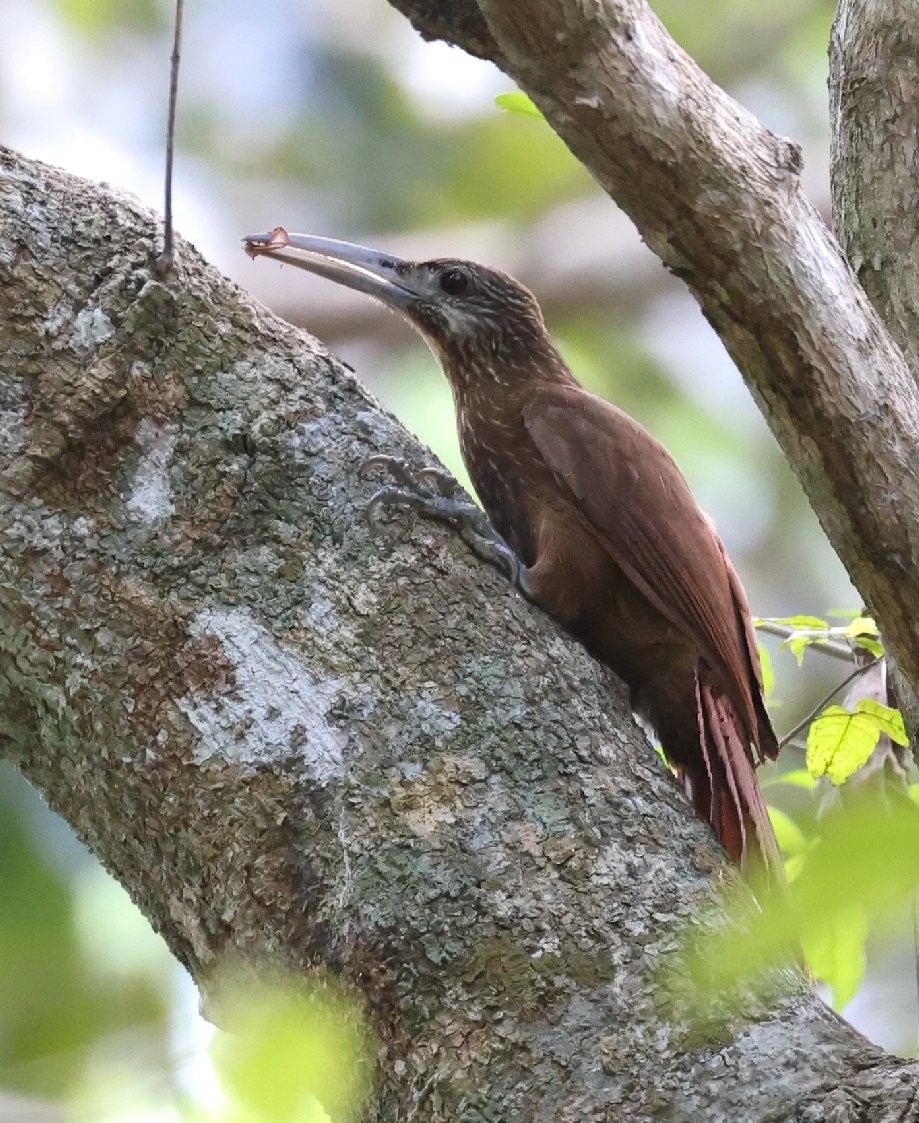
(592, 519)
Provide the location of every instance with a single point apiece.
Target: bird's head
(467, 312)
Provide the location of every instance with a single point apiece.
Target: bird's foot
(435, 494)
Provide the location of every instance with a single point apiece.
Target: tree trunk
(310, 749)
(875, 180)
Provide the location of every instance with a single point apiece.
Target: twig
(166, 259)
(824, 646)
(816, 710)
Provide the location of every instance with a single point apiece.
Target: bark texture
(874, 98)
(310, 749)
(874, 101)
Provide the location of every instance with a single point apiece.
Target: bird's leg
(435, 494)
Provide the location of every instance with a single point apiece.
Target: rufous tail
(728, 795)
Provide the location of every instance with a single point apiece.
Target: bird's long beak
(358, 267)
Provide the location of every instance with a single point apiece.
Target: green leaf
(889, 721)
(796, 778)
(840, 742)
(856, 875)
(518, 103)
(862, 626)
(869, 644)
(765, 661)
(801, 623)
(295, 1053)
(864, 632)
(835, 952)
(790, 837)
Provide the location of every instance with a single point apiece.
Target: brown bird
(596, 522)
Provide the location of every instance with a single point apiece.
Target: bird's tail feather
(729, 796)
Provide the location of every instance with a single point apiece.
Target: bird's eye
(454, 281)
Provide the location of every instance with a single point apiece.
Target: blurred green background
(335, 118)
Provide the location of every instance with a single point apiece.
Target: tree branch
(875, 181)
(875, 160)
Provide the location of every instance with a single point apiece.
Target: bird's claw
(433, 493)
(396, 467)
(412, 478)
(411, 489)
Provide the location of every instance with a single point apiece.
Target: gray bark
(874, 70)
(316, 751)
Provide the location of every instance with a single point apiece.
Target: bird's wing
(634, 497)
